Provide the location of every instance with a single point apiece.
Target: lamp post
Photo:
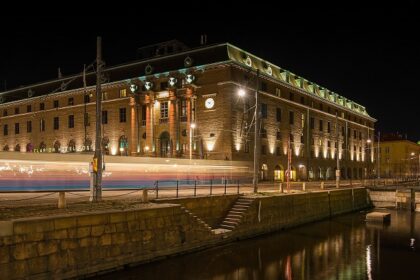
(192, 127)
(377, 160)
(337, 171)
(242, 93)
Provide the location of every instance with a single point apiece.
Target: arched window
(72, 146)
(57, 146)
(29, 148)
(17, 148)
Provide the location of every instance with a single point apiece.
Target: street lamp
(369, 141)
(241, 93)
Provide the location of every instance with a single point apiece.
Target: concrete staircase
(194, 217)
(236, 213)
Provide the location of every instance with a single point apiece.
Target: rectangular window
(56, 123)
(183, 108)
(5, 113)
(71, 121)
(263, 86)
(312, 123)
(87, 98)
(163, 85)
(5, 130)
(291, 96)
(104, 117)
(87, 119)
(143, 115)
(263, 133)
(123, 115)
(278, 92)
(354, 134)
(302, 139)
(278, 151)
(321, 107)
(263, 149)
(246, 147)
(29, 108)
(70, 101)
(41, 106)
(263, 110)
(17, 130)
(329, 127)
(16, 110)
(29, 126)
(292, 138)
(321, 125)
(302, 100)
(278, 114)
(56, 104)
(278, 135)
(343, 131)
(42, 125)
(291, 117)
(164, 110)
(329, 144)
(123, 92)
(105, 95)
(360, 135)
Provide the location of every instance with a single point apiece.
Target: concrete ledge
(378, 217)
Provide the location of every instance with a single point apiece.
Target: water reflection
(342, 248)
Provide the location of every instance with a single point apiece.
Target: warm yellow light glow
(156, 103)
(412, 153)
(241, 92)
(146, 148)
(237, 146)
(192, 125)
(113, 150)
(368, 141)
(297, 150)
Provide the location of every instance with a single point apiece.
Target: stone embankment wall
(84, 244)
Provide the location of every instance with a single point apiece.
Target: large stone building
(179, 102)
(398, 157)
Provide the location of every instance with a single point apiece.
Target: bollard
(62, 200)
(145, 197)
(225, 186)
(304, 186)
(211, 186)
(281, 187)
(195, 187)
(322, 185)
(177, 188)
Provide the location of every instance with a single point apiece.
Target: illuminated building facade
(184, 103)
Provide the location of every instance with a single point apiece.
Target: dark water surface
(345, 247)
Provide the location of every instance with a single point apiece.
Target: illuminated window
(278, 92)
(123, 93)
(105, 95)
(164, 110)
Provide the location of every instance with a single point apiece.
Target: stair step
(243, 203)
(242, 210)
(234, 216)
(233, 219)
(227, 227)
(233, 212)
(229, 223)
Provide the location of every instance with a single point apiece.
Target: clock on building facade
(209, 103)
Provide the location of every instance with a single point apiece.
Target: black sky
(370, 55)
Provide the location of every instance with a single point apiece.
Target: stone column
(172, 121)
(189, 96)
(149, 103)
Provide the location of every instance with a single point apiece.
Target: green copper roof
(268, 69)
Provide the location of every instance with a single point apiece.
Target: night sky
(369, 55)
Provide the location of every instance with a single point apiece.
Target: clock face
(209, 103)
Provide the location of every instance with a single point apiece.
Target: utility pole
(337, 154)
(379, 165)
(97, 158)
(256, 135)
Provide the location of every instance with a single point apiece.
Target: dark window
(123, 115)
(291, 96)
(263, 86)
(360, 135)
(29, 126)
(17, 128)
(184, 132)
(278, 114)
(5, 130)
(246, 149)
(321, 107)
(71, 121)
(302, 139)
(263, 133)
(321, 125)
(5, 113)
(292, 138)
(329, 127)
(263, 149)
(42, 125)
(278, 151)
(263, 110)
(104, 117)
(143, 114)
(29, 108)
(16, 110)
(183, 108)
(312, 123)
(87, 119)
(42, 106)
(343, 131)
(164, 110)
(56, 123)
(278, 135)
(163, 85)
(87, 98)
(291, 117)
(329, 144)
(56, 103)
(354, 134)
(71, 101)
(328, 109)
(302, 100)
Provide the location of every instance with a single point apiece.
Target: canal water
(345, 247)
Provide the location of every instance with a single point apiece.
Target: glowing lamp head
(193, 125)
(172, 81)
(412, 153)
(189, 79)
(148, 85)
(368, 141)
(121, 149)
(241, 92)
(146, 148)
(133, 88)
